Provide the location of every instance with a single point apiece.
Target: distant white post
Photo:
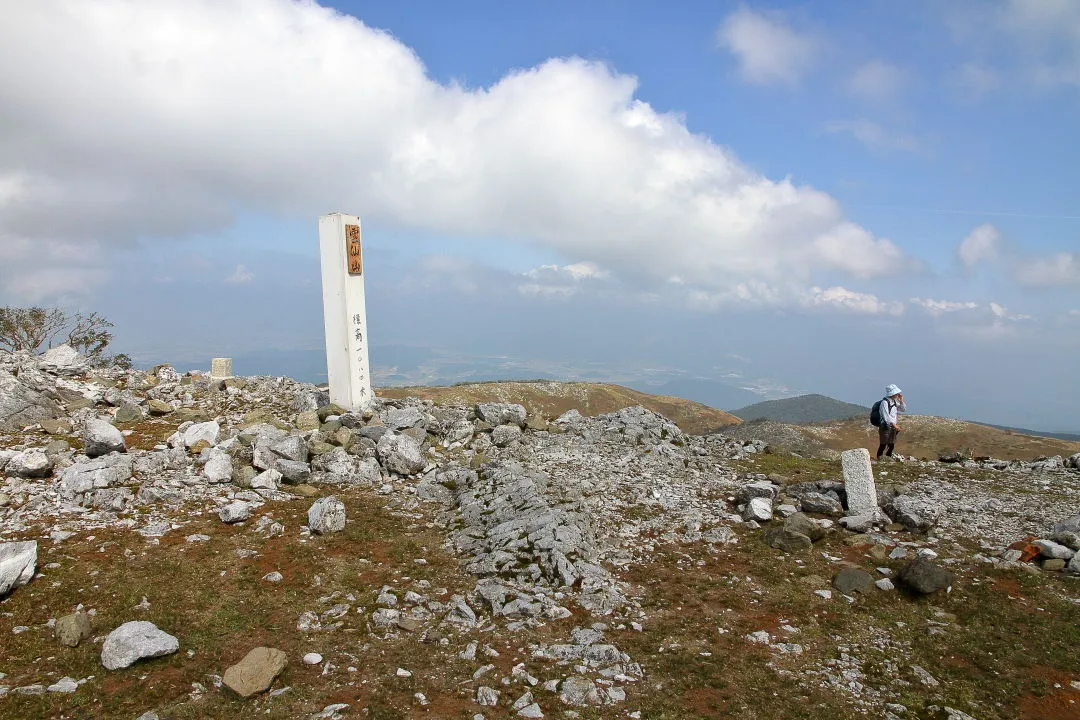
(344, 313)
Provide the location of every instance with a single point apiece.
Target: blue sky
(778, 197)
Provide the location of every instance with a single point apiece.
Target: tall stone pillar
(344, 311)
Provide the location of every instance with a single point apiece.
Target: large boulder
(72, 629)
(327, 515)
(18, 562)
(21, 405)
(501, 413)
(925, 577)
(134, 641)
(101, 438)
(400, 454)
(63, 360)
(103, 472)
(32, 463)
(256, 672)
(403, 418)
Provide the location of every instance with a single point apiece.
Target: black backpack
(875, 414)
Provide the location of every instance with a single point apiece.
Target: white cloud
(309, 110)
(877, 81)
(240, 276)
(1060, 269)
(555, 281)
(840, 298)
(874, 136)
(1002, 313)
(937, 308)
(983, 244)
(766, 48)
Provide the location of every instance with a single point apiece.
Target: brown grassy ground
(926, 436)
(1004, 648)
(551, 399)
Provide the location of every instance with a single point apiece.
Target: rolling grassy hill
(802, 409)
(551, 399)
(926, 436)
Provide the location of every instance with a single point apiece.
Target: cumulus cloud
(937, 308)
(983, 244)
(560, 281)
(768, 51)
(1060, 269)
(877, 81)
(840, 298)
(308, 110)
(874, 136)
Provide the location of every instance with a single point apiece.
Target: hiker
(888, 423)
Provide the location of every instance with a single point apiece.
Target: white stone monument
(344, 313)
(859, 482)
(220, 368)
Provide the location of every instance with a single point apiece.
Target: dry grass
(926, 437)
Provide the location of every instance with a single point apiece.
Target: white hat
(891, 390)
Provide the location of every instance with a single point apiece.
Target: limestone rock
(327, 515)
(400, 454)
(815, 502)
(18, 562)
(505, 435)
(63, 360)
(134, 641)
(128, 413)
(403, 418)
(72, 629)
(804, 525)
(853, 580)
(256, 672)
(925, 577)
(101, 438)
(787, 540)
(21, 405)
(219, 468)
(266, 480)
(157, 407)
(235, 512)
(32, 463)
(103, 472)
(759, 509)
(205, 432)
(501, 413)
(292, 471)
(579, 691)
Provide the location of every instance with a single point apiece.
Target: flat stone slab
(134, 641)
(256, 672)
(18, 562)
(859, 482)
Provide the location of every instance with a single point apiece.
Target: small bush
(36, 328)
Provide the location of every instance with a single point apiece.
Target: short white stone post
(220, 368)
(344, 312)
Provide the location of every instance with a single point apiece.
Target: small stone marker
(859, 482)
(221, 368)
(344, 311)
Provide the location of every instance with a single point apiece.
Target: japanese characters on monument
(344, 311)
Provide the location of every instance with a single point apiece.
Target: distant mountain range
(820, 408)
(801, 409)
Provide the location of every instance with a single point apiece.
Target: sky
(763, 198)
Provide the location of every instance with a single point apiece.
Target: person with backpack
(884, 416)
